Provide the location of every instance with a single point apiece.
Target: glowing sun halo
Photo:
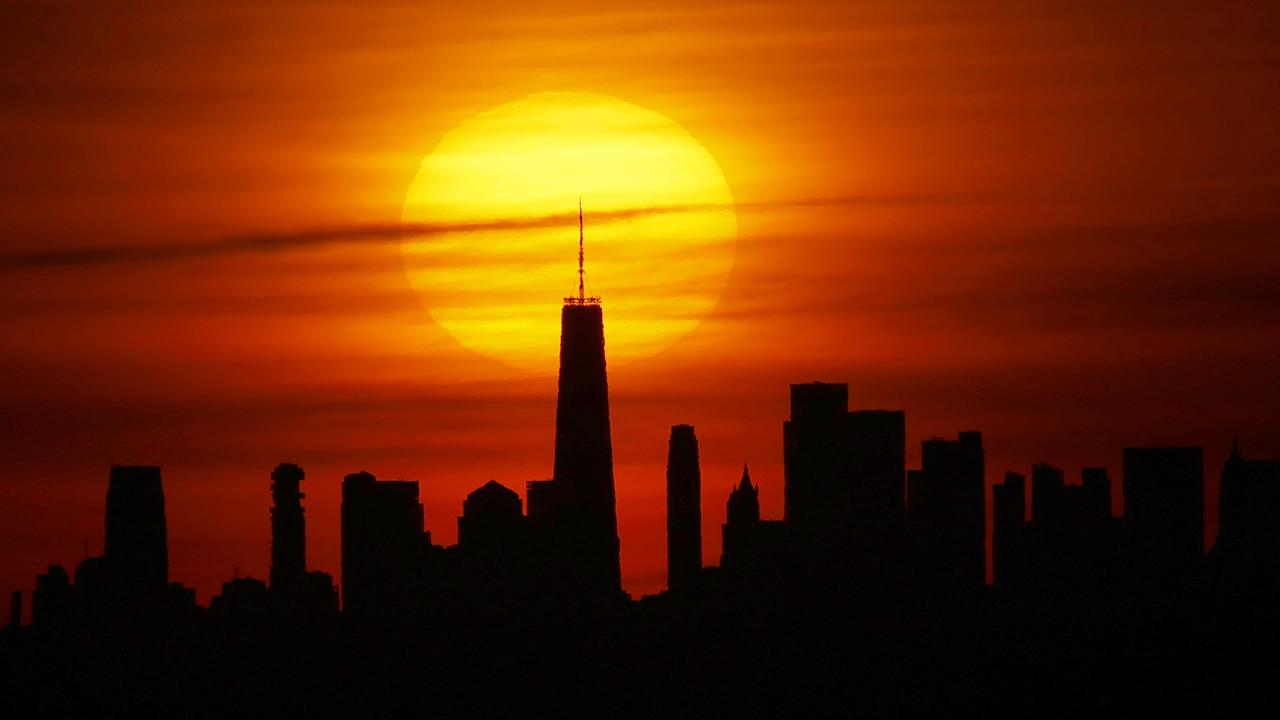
(498, 291)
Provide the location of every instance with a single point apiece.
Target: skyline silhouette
(845, 484)
(910, 358)
(1071, 253)
(865, 543)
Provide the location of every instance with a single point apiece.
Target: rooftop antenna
(582, 294)
(581, 298)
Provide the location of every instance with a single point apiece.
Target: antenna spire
(581, 298)
(582, 294)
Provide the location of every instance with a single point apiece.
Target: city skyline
(1053, 225)
(885, 497)
(874, 565)
(708, 547)
(738, 358)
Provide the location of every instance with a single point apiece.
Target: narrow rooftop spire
(581, 298)
(582, 294)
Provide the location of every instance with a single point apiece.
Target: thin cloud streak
(394, 232)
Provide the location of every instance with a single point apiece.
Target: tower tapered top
(582, 298)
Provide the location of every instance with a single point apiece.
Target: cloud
(385, 233)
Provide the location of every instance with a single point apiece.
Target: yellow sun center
(660, 226)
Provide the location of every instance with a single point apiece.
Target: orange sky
(1053, 222)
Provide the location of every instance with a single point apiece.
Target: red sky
(1052, 222)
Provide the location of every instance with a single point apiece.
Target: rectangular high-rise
(1009, 532)
(949, 511)
(877, 446)
(818, 482)
(1073, 534)
(844, 470)
(136, 550)
(1048, 487)
(383, 544)
(684, 510)
(1096, 484)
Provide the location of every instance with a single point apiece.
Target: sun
(661, 230)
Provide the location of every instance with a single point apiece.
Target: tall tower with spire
(583, 473)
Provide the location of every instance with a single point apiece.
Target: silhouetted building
(1101, 533)
(877, 446)
(1097, 492)
(1249, 506)
(51, 602)
(288, 529)
(497, 560)
(845, 473)
(586, 517)
(1009, 551)
(180, 599)
(542, 497)
(1164, 508)
(491, 519)
(949, 512)
(758, 554)
(818, 494)
(742, 516)
(1246, 556)
(1048, 486)
(383, 544)
(244, 599)
(1073, 536)
(302, 593)
(319, 595)
(136, 554)
(744, 501)
(684, 509)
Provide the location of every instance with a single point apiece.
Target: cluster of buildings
(856, 520)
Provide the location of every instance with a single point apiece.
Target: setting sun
(660, 226)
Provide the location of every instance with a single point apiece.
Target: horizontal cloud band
(380, 233)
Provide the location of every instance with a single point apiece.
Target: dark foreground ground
(665, 657)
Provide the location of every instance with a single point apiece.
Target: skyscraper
(1097, 492)
(1048, 487)
(383, 544)
(1249, 508)
(1072, 534)
(948, 508)
(491, 519)
(762, 550)
(684, 509)
(1008, 533)
(586, 515)
(845, 470)
(288, 529)
(1246, 556)
(818, 493)
(51, 602)
(136, 554)
(877, 447)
